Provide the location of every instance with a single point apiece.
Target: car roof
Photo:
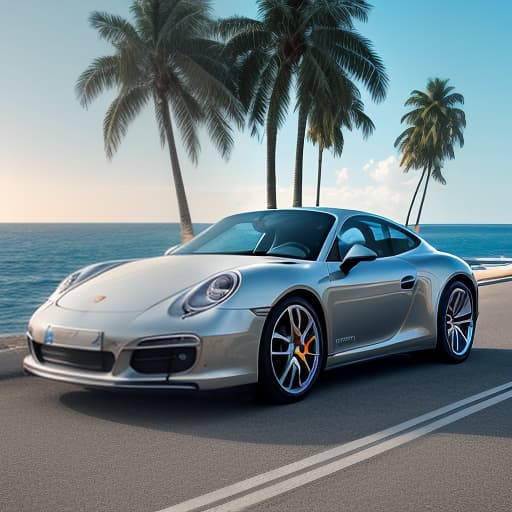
(340, 213)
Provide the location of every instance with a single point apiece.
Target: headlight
(211, 292)
(83, 274)
(65, 284)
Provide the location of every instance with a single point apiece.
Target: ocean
(34, 258)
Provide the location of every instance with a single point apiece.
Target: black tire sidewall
(443, 347)
(267, 382)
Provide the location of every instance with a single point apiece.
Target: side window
(380, 236)
(401, 241)
(350, 234)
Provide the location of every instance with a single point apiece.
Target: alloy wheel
(459, 321)
(295, 349)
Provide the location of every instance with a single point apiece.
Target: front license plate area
(84, 339)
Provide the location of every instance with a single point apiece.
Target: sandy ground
(493, 272)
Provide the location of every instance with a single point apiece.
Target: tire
(455, 323)
(289, 365)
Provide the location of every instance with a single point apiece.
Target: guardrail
(489, 261)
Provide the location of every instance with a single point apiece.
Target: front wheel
(292, 352)
(456, 323)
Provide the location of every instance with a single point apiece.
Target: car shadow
(347, 403)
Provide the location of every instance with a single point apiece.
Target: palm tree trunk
(414, 198)
(299, 156)
(417, 226)
(187, 231)
(319, 179)
(271, 163)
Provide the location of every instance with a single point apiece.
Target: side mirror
(355, 255)
(171, 250)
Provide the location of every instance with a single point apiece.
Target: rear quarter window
(401, 241)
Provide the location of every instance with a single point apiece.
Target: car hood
(140, 284)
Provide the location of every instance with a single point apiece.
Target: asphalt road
(64, 448)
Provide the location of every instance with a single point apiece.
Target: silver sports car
(272, 297)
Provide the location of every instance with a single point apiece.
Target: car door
(369, 303)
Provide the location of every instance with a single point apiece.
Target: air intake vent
(90, 360)
(163, 360)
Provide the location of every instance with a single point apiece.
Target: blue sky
(53, 167)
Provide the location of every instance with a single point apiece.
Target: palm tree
(436, 125)
(326, 128)
(165, 56)
(307, 44)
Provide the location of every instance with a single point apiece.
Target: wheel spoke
(452, 339)
(461, 301)
(467, 315)
(292, 377)
(286, 372)
(278, 336)
(459, 321)
(301, 347)
(299, 371)
(462, 322)
(459, 332)
(306, 330)
(295, 330)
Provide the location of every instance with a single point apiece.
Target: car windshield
(291, 233)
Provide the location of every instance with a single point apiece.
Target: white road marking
(330, 467)
(333, 467)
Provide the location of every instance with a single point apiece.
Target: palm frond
(228, 28)
(102, 74)
(120, 114)
(114, 29)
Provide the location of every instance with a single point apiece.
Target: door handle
(407, 282)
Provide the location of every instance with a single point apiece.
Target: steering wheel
(284, 249)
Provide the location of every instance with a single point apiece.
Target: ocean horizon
(35, 257)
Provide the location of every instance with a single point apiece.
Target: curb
(12, 341)
(493, 273)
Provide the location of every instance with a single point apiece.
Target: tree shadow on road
(347, 402)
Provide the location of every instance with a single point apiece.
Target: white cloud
(368, 164)
(381, 172)
(387, 191)
(342, 176)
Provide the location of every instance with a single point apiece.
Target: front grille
(163, 360)
(76, 358)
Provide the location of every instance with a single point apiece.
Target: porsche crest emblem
(99, 298)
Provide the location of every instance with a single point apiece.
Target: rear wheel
(291, 351)
(455, 323)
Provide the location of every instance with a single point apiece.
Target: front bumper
(226, 352)
(98, 380)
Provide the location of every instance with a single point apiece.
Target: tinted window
(295, 234)
(380, 236)
(240, 238)
(401, 241)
